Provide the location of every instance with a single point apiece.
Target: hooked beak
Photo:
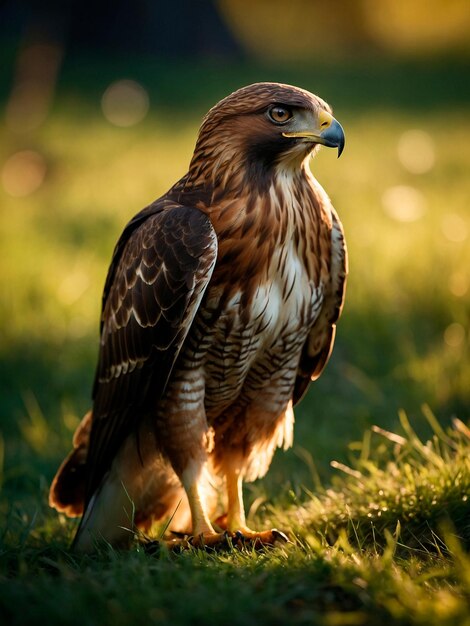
(330, 133)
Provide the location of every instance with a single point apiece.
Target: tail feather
(139, 489)
(109, 518)
(67, 491)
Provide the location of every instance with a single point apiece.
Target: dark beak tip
(333, 137)
(341, 141)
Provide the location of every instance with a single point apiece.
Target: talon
(279, 535)
(260, 540)
(239, 537)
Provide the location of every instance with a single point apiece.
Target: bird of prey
(219, 308)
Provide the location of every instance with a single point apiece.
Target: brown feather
(158, 313)
(219, 308)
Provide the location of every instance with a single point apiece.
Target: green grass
(382, 537)
(384, 544)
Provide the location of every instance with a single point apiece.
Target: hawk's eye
(279, 114)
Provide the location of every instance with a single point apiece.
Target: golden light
(454, 335)
(72, 287)
(403, 203)
(454, 227)
(458, 284)
(418, 27)
(125, 103)
(23, 173)
(416, 151)
(318, 29)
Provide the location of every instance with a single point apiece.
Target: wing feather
(319, 345)
(160, 270)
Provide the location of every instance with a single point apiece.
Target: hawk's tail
(153, 489)
(67, 491)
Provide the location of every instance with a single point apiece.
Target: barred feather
(219, 308)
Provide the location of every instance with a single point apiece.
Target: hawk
(219, 308)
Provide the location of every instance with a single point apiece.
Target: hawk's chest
(286, 302)
(268, 287)
(259, 337)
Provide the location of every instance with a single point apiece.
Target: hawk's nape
(219, 308)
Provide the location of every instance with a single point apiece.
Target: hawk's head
(264, 126)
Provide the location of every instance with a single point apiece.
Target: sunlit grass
(396, 484)
(386, 542)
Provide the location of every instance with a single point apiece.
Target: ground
(380, 537)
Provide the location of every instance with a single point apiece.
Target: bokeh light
(454, 335)
(458, 284)
(418, 26)
(403, 203)
(73, 286)
(23, 173)
(416, 151)
(125, 103)
(454, 227)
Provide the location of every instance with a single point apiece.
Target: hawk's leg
(203, 533)
(194, 488)
(239, 458)
(183, 432)
(236, 520)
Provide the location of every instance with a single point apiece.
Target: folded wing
(160, 270)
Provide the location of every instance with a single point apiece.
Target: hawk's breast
(254, 343)
(270, 284)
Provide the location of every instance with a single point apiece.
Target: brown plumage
(219, 307)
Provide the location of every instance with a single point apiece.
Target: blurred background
(99, 108)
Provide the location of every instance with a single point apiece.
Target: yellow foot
(258, 540)
(219, 541)
(179, 542)
(251, 537)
